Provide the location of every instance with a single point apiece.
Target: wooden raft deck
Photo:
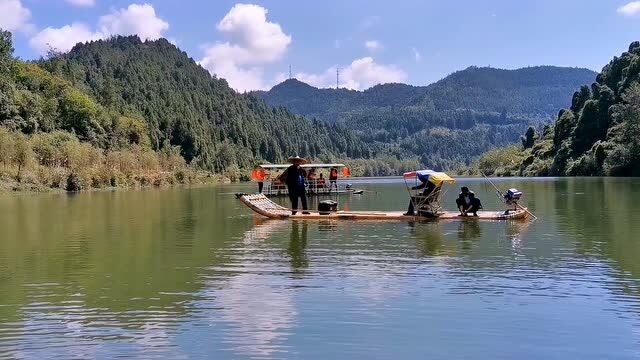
(262, 205)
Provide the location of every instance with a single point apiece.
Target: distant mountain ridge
(446, 124)
(532, 91)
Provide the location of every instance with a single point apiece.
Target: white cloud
(360, 74)
(253, 41)
(82, 2)
(15, 17)
(136, 19)
(416, 54)
(373, 45)
(630, 9)
(62, 39)
(363, 73)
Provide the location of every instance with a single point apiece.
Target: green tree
(529, 138)
(6, 51)
(7, 147)
(624, 159)
(580, 97)
(586, 131)
(23, 154)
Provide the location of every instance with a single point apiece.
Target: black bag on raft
(326, 207)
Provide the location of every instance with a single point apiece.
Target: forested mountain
(599, 134)
(445, 124)
(54, 135)
(533, 91)
(181, 104)
(122, 92)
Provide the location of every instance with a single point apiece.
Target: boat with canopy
(321, 179)
(426, 202)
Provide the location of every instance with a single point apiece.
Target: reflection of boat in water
(426, 202)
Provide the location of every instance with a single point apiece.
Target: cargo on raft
(426, 202)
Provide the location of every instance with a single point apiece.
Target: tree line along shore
(126, 113)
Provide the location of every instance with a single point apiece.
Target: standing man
(294, 178)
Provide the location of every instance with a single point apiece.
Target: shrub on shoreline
(58, 160)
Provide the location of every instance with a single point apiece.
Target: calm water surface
(191, 273)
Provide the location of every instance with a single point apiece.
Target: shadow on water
(468, 230)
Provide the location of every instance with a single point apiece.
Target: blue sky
(252, 44)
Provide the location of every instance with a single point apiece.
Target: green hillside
(182, 105)
(54, 135)
(599, 134)
(448, 123)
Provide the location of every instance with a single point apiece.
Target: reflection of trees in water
(430, 239)
(600, 216)
(297, 247)
(115, 258)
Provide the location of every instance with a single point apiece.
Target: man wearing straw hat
(294, 178)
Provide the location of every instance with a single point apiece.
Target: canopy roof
(434, 177)
(306, 166)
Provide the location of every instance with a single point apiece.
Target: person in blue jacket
(294, 177)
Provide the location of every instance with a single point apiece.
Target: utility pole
(337, 78)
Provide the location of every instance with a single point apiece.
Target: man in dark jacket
(467, 202)
(294, 178)
(428, 187)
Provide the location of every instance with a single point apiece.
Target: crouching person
(467, 202)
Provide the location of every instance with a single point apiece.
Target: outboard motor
(512, 196)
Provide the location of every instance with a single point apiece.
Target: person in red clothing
(333, 178)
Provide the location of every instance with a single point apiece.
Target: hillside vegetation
(446, 124)
(599, 134)
(53, 135)
(182, 105)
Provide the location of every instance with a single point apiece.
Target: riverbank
(58, 161)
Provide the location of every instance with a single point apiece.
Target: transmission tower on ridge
(337, 78)
(290, 76)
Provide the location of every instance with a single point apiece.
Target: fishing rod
(502, 197)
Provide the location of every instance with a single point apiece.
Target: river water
(192, 273)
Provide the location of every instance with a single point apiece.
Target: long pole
(500, 193)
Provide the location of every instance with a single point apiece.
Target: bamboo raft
(262, 205)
